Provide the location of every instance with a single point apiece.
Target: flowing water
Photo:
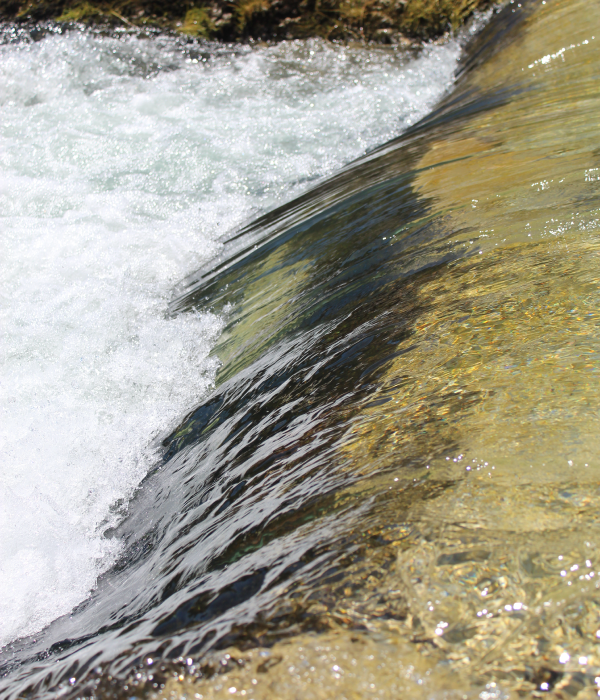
(392, 489)
(124, 161)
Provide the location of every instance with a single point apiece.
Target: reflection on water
(393, 490)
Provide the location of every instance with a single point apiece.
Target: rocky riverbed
(382, 21)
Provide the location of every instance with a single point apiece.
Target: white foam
(122, 162)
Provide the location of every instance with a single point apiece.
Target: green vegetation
(79, 13)
(197, 22)
(238, 20)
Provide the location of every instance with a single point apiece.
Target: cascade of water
(123, 162)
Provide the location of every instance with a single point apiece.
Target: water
(125, 161)
(391, 490)
(434, 403)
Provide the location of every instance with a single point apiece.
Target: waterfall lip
(462, 103)
(286, 221)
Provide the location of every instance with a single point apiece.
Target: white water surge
(123, 160)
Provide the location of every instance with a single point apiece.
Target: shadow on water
(319, 492)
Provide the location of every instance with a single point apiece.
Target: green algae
(79, 13)
(197, 22)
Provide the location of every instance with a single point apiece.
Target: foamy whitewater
(123, 162)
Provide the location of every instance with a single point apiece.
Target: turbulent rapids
(392, 488)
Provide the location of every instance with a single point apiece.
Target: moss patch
(197, 22)
(80, 13)
(245, 10)
(427, 18)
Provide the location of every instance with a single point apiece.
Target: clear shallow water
(123, 163)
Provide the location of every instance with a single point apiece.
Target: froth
(123, 162)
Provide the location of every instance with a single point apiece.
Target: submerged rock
(384, 21)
